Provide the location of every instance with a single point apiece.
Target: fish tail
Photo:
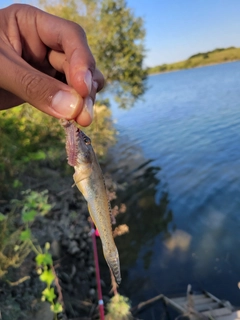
(112, 259)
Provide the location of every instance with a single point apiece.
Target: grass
(216, 56)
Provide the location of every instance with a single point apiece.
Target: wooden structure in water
(203, 306)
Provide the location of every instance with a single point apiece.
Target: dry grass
(201, 59)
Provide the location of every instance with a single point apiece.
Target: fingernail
(88, 107)
(65, 103)
(88, 80)
(95, 84)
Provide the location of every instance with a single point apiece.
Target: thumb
(40, 90)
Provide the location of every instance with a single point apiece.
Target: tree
(116, 38)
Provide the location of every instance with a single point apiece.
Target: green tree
(116, 38)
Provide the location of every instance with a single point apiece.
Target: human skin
(37, 49)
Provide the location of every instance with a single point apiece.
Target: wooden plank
(226, 304)
(213, 297)
(174, 304)
(199, 296)
(195, 297)
(208, 306)
(179, 299)
(198, 301)
(217, 312)
(233, 316)
(202, 301)
(144, 303)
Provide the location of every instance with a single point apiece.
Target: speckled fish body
(89, 180)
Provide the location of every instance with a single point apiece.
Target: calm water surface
(178, 162)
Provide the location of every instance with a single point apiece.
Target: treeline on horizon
(216, 56)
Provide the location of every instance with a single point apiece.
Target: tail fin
(114, 264)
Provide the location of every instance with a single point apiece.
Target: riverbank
(217, 56)
(67, 229)
(65, 226)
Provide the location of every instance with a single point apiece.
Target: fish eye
(87, 140)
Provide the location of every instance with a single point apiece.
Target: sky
(177, 29)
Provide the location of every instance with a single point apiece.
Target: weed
(17, 241)
(119, 308)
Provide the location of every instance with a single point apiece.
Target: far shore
(202, 59)
(202, 66)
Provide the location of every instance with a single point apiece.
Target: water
(183, 206)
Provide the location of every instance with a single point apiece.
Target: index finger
(68, 37)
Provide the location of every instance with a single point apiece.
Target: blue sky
(177, 29)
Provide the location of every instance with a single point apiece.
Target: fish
(89, 180)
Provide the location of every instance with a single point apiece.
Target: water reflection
(179, 240)
(193, 133)
(138, 181)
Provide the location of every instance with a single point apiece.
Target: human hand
(35, 47)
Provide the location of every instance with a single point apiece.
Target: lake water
(178, 166)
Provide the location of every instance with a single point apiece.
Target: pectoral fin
(80, 175)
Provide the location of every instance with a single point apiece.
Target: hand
(36, 49)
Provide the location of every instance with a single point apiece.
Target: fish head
(85, 150)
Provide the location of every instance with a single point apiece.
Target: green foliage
(218, 55)
(44, 259)
(48, 293)
(210, 52)
(101, 132)
(13, 250)
(17, 183)
(45, 264)
(116, 38)
(29, 216)
(56, 307)
(2, 217)
(25, 235)
(120, 52)
(119, 308)
(24, 141)
(47, 276)
(16, 240)
(35, 203)
(27, 137)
